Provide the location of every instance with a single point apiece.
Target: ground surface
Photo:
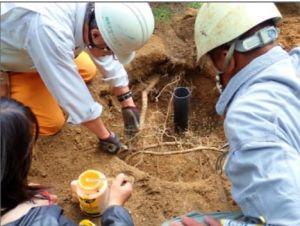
(165, 186)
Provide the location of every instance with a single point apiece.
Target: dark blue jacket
(53, 216)
(116, 216)
(43, 216)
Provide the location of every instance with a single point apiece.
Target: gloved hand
(111, 144)
(131, 118)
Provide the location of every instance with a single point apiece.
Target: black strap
(91, 15)
(125, 96)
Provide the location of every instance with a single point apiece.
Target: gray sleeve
(295, 58)
(116, 216)
(263, 168)
(51, 50)
(265, 181)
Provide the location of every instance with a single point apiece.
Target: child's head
(19, 130)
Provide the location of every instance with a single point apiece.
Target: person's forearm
(98, 128)
(121, 90)
(116, 215)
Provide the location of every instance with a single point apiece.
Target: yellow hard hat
(219, 23)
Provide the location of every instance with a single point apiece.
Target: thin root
(199, 148)
(145, 92)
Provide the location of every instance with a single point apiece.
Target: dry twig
(199, 148)
(167, 116)
(169, 108)
(177, 79)
(162, 144)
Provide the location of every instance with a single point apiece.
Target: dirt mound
(165, 185)
(289, 26)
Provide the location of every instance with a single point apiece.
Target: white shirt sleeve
(113, 71)
(295, 57)
(51, 49)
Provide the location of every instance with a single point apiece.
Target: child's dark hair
(19, 130)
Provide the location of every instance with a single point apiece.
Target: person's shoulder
(295, 58)
(254, 99)
(45, 215)
(251, 116)
(54, 30)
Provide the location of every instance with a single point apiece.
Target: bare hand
(120, 191)
(186, 221)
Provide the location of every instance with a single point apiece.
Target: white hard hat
(220, 23)
(125, 27)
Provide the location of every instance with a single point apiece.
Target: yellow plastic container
(86, 222)
(91, 191)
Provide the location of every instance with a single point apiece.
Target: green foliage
(195, 5)
(162, 13)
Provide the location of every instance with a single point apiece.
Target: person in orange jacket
(42, 58)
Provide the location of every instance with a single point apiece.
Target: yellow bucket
(91, 192)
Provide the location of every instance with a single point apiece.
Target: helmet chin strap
(91, 44)
(261, 38)
(218, 83)
(228, 57)
(89, 15)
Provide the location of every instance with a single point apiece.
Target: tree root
(198, 148)
(145, 92)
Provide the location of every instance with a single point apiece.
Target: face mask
(218, 83)
(218, 78)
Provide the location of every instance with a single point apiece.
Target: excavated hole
(205, 128)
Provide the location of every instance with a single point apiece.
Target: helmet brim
(122, 57)
(220, 23)
(125, 59)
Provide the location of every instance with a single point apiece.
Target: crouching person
(259, 84)
(116, 214)
(27, 204)
(49, 52)
(22, 203)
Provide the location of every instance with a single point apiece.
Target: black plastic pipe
(181, 104)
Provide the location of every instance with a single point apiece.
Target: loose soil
(165, 186)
